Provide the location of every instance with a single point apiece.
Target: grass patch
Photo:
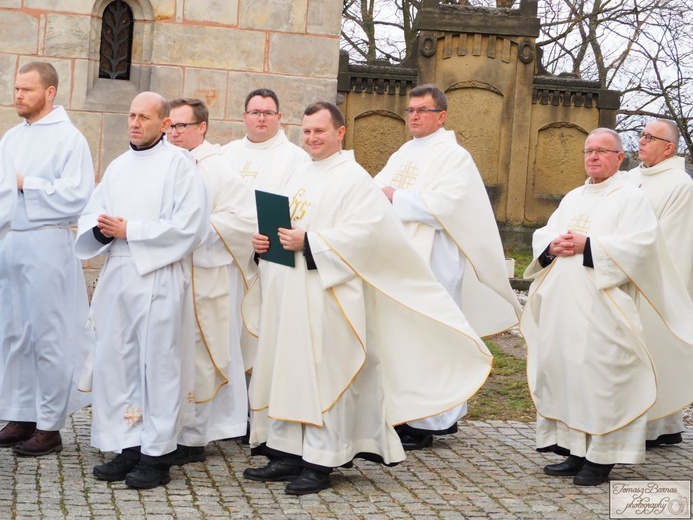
(523, 257)
(505, 395)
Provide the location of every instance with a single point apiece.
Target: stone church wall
(210, 49)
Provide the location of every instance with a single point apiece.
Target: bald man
(662, 176)
(147, 215)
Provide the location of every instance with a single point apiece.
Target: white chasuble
(670, 189)
(373, 300)
(593, 362)
(443, 204)
(142, 310)
(274, 159)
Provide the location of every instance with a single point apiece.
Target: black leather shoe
(415, 442)
(569, 467)
(667, 438)
(310, 481)
(115, 469)
(148, 476)
(186, 454)
(592, 474)
(276, 470)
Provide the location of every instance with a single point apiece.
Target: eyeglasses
(648, 138)
(180, 127)
(264, 113)
(421, 110)
(599, 151)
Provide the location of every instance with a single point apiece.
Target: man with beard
(43, 297)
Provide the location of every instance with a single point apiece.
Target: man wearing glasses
(437, 192)
(662, 176)
(265, 149)
(599, 268)
(220, 264)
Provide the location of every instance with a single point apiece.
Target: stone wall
(210, 49)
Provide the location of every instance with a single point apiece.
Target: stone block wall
(210, 49)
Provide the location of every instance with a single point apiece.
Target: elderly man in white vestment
(662, 176)
(147, 216)
(358, 336)
(593, 371)
(43, 322)
(437, 192)
(221, 398)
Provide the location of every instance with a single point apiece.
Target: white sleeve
(410, 207)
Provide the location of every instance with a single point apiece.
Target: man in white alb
(437, 192)
(594, 373)
(43, 297)
(147, 216)
(221, 409)
(662, 176)
(358, 336)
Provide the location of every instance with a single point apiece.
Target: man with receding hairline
(43, 297)
(600, 268)
(146, 216)
(662, 176)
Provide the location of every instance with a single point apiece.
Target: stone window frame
(116, 94)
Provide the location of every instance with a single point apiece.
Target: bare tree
(640, 47)
(375, 30)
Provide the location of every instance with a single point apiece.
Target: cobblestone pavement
(486, 470)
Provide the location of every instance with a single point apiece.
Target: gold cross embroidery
(133, 416)
(191, 397)
(246, 171)
(406, 176)
(580, 224)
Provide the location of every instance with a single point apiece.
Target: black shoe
(592, 474)
(147, 476)
(186, 454)
(115, 469)
(667, 438)
(278, 469)
(569, 467)
(412, 441)
(310, 481)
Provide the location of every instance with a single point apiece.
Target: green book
(272, 214)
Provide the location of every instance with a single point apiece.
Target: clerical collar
(144, 148)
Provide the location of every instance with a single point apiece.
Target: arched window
(116, 41)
